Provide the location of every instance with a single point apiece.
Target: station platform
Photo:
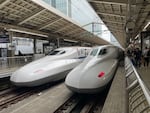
(116, 99)
(7, 72)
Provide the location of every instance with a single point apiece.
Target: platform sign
(4, 37)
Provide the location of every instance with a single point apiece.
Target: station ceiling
(118, 15)
(37, 17)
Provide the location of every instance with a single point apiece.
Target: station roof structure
(123, 17)
(40, 18)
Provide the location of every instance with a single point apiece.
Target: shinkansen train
(55, 66)
(96, 71)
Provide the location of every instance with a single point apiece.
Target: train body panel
(41, 81)
(49, 68)
(96, 71)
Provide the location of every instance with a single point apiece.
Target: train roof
(74, 47)
(102, 46)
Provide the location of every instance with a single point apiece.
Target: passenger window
(102, 52)
(94, 52)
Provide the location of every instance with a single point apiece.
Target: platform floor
(116, 99)
(44, 102)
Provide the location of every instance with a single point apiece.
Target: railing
(138, 93)
(17, 61)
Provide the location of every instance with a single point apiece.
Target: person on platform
(146, 58)
(137, 55)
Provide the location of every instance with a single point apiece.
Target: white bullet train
(53, 67)
(96, 71)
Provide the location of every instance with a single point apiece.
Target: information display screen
(4, 37)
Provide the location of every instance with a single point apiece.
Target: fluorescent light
(136, 36)
(146, 26)
(70, 40)
(19, 31)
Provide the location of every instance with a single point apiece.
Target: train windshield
(102, 52)
(56, 52)
(93, 52)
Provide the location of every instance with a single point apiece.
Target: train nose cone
(13, 77)
(72, 79)
(20, 76)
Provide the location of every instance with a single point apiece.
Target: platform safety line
(147, 107)
(132, 85)
(135, 107)
(128, 67)
(134, 91)
(135, 99)
(129, 73)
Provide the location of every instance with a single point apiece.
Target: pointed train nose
(20, 76)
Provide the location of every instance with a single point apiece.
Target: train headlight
(101, 74)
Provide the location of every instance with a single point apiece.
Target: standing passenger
(146, 58)
(137, 57)
(133, 58)
(148, 55)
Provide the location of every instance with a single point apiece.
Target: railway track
(5, 83)
(12, 96)
(83, 104)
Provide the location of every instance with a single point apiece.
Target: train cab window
(94, 52)
(56, 52)
(62, 52)
(53, 52)
(102, 52)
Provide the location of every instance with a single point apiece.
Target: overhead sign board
(4, 36)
